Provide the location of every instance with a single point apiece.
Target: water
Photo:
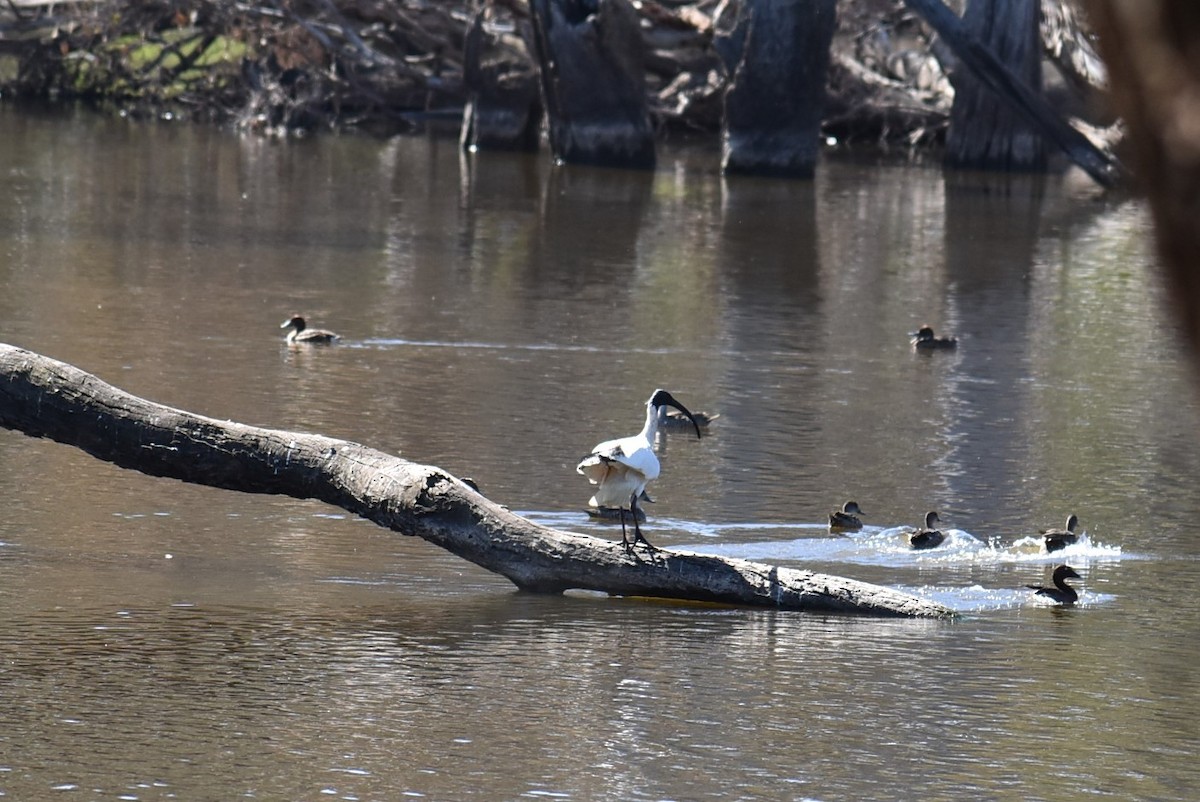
(500, 316)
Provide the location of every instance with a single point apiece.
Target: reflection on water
(501, 316)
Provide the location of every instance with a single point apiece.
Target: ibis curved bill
(622, 468)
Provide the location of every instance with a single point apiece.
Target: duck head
(1064, 572)
(294, 322)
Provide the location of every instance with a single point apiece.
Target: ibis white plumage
(622, 468)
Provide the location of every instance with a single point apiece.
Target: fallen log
(43, 397)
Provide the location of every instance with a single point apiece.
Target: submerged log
(1104, 168)
(43, 397)
(594, 82)
(778, 54)
(985, 132)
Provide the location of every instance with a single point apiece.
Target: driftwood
(1103, 168)
(43, 397)
(778, 55)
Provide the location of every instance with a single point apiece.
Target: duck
(924, 338)
(670, 420)
(300, 334)
(929, 537)
(846, 517)
(1062, 593)
(1058, 539)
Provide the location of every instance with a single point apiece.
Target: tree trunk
(778, 55)
(1152, 49)
(504, 105)
(46, 398)
(985, 132)
(1103, 168)
(594, 82)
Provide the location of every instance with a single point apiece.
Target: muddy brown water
(500, 316)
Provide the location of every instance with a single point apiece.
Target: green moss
(162, 69)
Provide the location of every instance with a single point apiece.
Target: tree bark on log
(594, 82)
(43, 397)
(985, 132)
(1103, 168)
(778, 55)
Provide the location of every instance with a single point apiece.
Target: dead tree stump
(593, 81)
(778, 56)
(1103, 167)
(985, 132)
(504, 105)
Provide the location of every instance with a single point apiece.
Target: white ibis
(1062, 593)
(923, 339)
(1058, 539)
(847, 517)
(622, 468)
(929, 537)
(300, 334)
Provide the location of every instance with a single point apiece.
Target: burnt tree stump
(778, 57)
(986, 133)
(43, 397)
(1104, 168)
(593, 82)
(504, 104)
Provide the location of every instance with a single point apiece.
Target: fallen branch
(46, 398)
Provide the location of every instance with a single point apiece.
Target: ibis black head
(662, 398)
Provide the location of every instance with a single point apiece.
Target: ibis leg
(637, 530)
(625, 538)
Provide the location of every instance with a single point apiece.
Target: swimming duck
(1061, 592)
(846, 517)
(669, 420)
(300, 334)
(929, 537)
(923, 338)
(1058, 539)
